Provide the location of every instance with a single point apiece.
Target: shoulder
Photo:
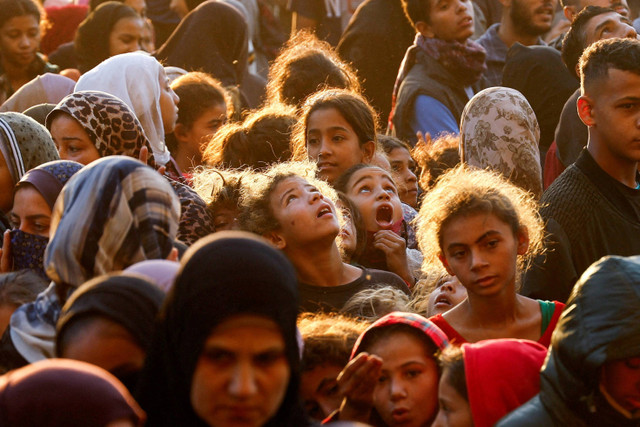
(373, 277)
(531, 414)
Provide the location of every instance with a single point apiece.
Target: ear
(569, 12)
(585, 110)
(445, 264)
(523, 241)
(277, 240)
(425, 29)
(180, 131)
(368, 150)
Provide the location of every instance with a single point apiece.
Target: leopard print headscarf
(109, 122)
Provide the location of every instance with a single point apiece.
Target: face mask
(27, 251)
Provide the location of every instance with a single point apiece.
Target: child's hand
(357, 382)
(395, 249)
(5, 253)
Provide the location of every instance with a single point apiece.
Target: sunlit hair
(373, 303)
(431, 278)
(462, 192)
(351, 106)
(218, 187)
(262, 139)
(603, 55)
(256, 213)
(328, 338)
(304, 66)
(436, 158)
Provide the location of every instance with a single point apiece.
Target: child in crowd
(336, 130)
(436, 76)
(469, 392)
(295, 212)
(403, 168)
(392, 378)
(204, 107)
(328, 340)
(437, 292)
(264, 138)
(374, 193)
(351, 239)
(435, 157)
(305, 66)
(221, 190)
(372, 304)
(485, 230)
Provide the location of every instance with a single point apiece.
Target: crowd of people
(343, 212)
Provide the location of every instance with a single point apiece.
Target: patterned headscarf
(113, 213)
(416, 321)
(24, 143)
(111, 125)
(134, 78)
(49, 178)
(499, 131)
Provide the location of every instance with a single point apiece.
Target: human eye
(74, 149)
(412, 373)
(33, 32)
(383, 379)
(290, 198)
(268, 358)
(492, 243)
(364, 189)
(218, 356)
(390, 189)
(14, 34)
(457, 253)
(338, 137)
(40, 227)
(312, 140)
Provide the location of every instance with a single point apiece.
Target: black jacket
(601, 323)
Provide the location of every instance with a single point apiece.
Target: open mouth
(443, 300)
(384, 216)
(324, 211)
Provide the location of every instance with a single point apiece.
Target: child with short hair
(485, 230)
(337, 129)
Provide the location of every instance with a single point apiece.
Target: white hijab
(134, 78)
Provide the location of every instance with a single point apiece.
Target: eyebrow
(32, 217)
(362, 179)
(478, 240)
(334, 128)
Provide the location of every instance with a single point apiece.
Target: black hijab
(212, 38)
(222, 275)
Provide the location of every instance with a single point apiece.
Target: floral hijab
(499, 131)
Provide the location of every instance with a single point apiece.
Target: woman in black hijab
(213, 38)
(226, 348)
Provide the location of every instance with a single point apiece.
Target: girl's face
(448, 293)
(450, 20)
(225, 216)
(242, 374)
(407, 390)
(333, 144)
(126, 36)
(348, 237)
(20, 40)
(30, 213)
(454, 409)
(303, 214)
(373, 191)
(481, 251)
(72, 140)
(168, 104)
(203, 128)
(402, 167)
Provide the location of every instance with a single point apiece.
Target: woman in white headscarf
(140, 81)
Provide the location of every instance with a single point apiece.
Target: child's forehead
(370, 173)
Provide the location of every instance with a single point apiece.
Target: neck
(319, 266)
(187, 160)
(621, 169)
(493, 310)
(17, 75)
(509, 34)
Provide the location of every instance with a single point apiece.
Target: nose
(243, 381)
(325, 149)
(315, 196)
(25, 41)
(398, 390)
(628, 32)
(448, 287)
(477, 260)
(176, 98)
(382, 195)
